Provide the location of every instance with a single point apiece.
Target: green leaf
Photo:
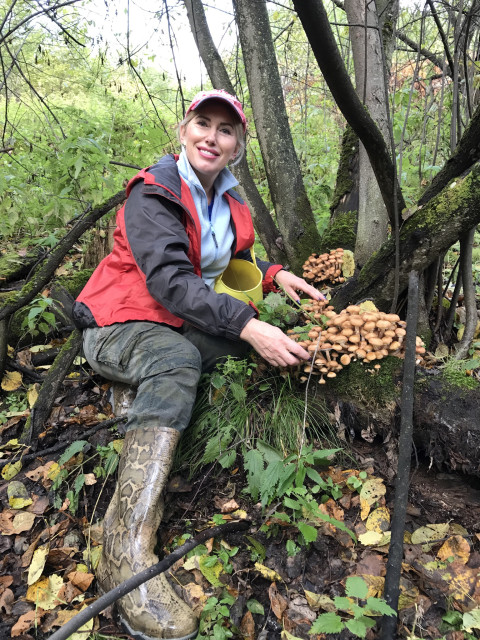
(79, 482)
(307, 531)
(359, 626)
(258, 546)
(253, 463)
(238, 391)
(378, 605)
(227, 459)
(327, 623)
(269, 453)
(315, 476)
(254, 606)
(356, 587)
(71, 451)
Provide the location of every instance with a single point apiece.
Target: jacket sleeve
(159, 244)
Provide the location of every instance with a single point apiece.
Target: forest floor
(51, 540)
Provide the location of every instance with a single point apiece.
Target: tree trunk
(264, 224)
(294, 214)
(426, 234)
(370, 83)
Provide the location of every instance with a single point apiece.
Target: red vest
(117, 291)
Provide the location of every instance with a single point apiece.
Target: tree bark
(262, 220)
(431, 230)
(365, 37)
(317, 27)
(294, 214)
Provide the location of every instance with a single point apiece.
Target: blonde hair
(237, 127)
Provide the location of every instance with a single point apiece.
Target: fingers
(272, 344)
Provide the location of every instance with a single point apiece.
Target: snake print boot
(153, 610)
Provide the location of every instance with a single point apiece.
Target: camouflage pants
(163, 363)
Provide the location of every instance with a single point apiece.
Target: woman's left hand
(292, 283)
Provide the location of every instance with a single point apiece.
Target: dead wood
(49, 389)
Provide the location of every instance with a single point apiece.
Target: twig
(135, 581)
(395, 556)
(63, 445)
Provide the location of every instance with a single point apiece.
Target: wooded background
(363, 130)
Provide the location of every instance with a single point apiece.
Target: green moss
(74, 282)
(341, 233)
(455, 374)
(372, 387)
(344, 182)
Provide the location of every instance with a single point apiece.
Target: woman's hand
(272, 344)
(292, 283)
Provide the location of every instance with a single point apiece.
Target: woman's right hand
(272, 344)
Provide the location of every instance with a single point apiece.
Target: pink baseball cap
(219, 94)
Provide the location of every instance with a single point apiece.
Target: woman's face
(210, 140)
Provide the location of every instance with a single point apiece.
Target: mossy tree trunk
(294, 214)
(425, 235)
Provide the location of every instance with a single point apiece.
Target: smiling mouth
(208, 152)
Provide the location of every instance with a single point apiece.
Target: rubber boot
(153, 610)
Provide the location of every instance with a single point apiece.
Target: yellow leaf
(53, 471)
(372, 490)
(368, 306)
(241, 514)
(430, 533)
(371, 538)
(378, 520)
(92, 555)
(11, 469)
(267, 573)
(456, 548)
(79, 361)
(19, 503)
(317, 601)
(37, 564)
(32, 394)
(288, 636)
(408, 597)
(11, 381)
(45, 593)
(211, 573)
(375, 585)
(11, 444)
(118, 445)
(84, 631)
(191, 563)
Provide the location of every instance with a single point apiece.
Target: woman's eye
(226, 131)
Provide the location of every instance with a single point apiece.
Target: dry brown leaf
(6, 601)
(67, 592)
(456, 548)
(229, 506)
(80, 579)
(194, 596)
(372, 564)
(23, 521)
(375, 585)
(277, 601)
(27, 621)
(371, 492)
(317, 601)
(247, 626)
(63, 616)
(6, 521)
(39, 505)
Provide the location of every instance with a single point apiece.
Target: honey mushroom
(327, 266)
(353, 334)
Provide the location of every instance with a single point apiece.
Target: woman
(151, 318)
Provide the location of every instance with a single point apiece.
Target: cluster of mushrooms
(352, 334)
(327, 266)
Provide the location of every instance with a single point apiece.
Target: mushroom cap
(331, 374)
(383, 324)
(357, 321)
(376, 342)
(345, 359)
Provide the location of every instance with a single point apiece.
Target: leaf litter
(50, 521)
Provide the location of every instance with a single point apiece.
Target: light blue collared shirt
(217, 233)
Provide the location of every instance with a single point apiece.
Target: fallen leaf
(371, 492)
(370, 539)
(371, 564)
(375, 585)
(12, 381)
(44, 593)
(429, 534)
(18, 496)
(32, 394)
(27, 621)
(456, 548)
(23, 521)
(92, 556)
(267, 573)
(285, 635)
(378, 520)
(38, 563)
(194, 596)
(229, 506)
(471, 620)
(317, 601)
(80, 579)
(11, 469)
(84, 631)
(277, 601)
(247, 626)
(6, 601)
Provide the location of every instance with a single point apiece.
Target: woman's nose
(211, 136)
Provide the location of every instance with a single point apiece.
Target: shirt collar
(224, 181)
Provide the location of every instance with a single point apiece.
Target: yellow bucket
(242, 280)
